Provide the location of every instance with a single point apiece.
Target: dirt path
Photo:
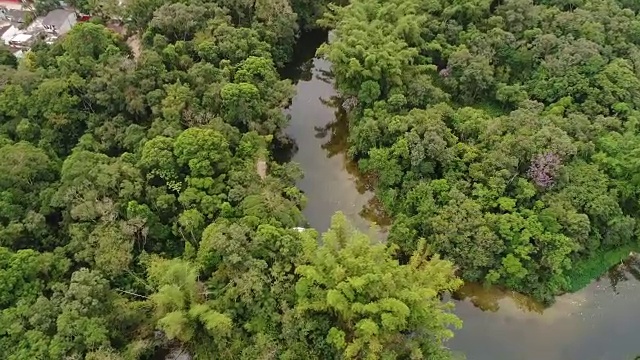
(134, 43)
(261, 169)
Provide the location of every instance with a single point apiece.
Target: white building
(7, 33)
(18, 53)
(21, 40)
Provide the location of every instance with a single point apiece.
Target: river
(601, 322)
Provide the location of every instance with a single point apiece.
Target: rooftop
(18, 16)
(56, 17)
(18, 53)
(4, 29)
(21, 37)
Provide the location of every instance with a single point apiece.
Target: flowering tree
(544, 168)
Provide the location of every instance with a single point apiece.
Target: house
(7, 32)
(21, 40)
(14, 15)
(17, 52)
(15, 4)
(59, 21)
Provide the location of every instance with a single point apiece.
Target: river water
(601, 322)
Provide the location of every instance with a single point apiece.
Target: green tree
(7, 58)
(376, 307)
(368, 47)
(42, 7)
(529, 81)
(178, 21)
(181, 305)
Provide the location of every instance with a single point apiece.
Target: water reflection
(630, 268)
(336, 135)
(600, 322)
(301, 66)
(316, 138)
(374, 212)
(325, 75)
(487, 298)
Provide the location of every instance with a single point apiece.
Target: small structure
(59, 21)
(18, 53)
(14, 15)
(178, 354)
(21, 40)
(7, 32)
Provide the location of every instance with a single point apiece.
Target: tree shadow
(629, 268)
(283, 148)
(487, 298)
(337, 144)
(336, 134)
(300, 68)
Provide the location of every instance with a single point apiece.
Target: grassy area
(585, 271)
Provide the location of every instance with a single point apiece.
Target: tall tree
(375, 307)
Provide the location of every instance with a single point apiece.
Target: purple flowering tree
(544, 168)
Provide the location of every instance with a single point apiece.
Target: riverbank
(332, 183)
(598, 322)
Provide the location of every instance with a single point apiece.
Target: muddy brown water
(600, 322)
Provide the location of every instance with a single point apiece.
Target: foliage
(544, 168)
(42, 7)
(382, 310)
(505, 133)
(132, 218)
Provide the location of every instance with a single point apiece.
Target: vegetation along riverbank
(142, 212)
(505, 133)
(142, 209)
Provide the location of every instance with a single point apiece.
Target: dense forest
(504, 132)
(141, 210)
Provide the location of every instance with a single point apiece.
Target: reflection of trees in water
(337, 135)
(325, 76)
(374, 211)
(488, 298)
(633, 267)
(300, 68)
(302, 72)
(630, 268)
(337, 130)
(283, 148)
